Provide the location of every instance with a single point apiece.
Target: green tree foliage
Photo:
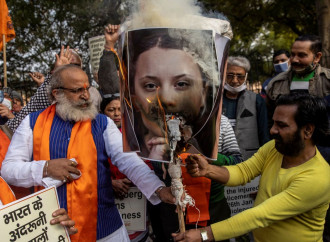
(262, 26)
(259, 26)
(43, 26)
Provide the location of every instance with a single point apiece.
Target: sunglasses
(231, 77)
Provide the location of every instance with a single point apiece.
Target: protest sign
(133, 210)
(96, 47)
(28, 219)
(239, 198)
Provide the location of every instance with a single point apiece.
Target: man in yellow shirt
(293, 195)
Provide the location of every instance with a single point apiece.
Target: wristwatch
(204, 235)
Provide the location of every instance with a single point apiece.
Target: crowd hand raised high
(38, 77)
(197, 165)
(111, 36)
(5, 112)
(157, 147)
(60, 169)
(62, 217)
(64, 58)
(121, 187)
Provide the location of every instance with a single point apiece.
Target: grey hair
(240, 61)
(56, 80)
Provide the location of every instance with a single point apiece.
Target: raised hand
(111, 36)
(38, 77)
(64, 58)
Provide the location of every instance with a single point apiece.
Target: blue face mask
(282, 67)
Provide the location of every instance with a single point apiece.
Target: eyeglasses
(231, 77)
(79, 90)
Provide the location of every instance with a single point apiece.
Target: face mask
(235, 89)
(7, 103)
(281, 67)
(308, 69)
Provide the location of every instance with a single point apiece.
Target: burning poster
(171, 91)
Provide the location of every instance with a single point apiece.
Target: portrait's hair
(311, 110)
(316, 45)
(197, 43)
(240, 61)
(280, 52)
(56, 82)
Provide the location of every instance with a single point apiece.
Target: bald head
(67, 76)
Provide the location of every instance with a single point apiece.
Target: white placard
(96, 47)
(239, 198)
(133, 210)
(28, 219)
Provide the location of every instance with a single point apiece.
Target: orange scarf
(81, 193)
(4, 143)
(6, 194)
(199, 189)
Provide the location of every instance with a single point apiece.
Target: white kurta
(19, 171)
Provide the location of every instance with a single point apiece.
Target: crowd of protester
(277, 130)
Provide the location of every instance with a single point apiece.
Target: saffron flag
(6, 25)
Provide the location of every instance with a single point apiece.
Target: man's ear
(308, 131)
(55, 93)
(318, 57)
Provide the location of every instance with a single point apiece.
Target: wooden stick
(181, 219)
(4, 61)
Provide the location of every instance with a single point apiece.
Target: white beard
(70, 111)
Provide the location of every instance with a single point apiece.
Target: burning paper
(171, 73)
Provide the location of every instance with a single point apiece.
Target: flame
(162, 113)
(148, 100)
(172, 117)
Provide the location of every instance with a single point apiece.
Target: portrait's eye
(150, 87)
(182, 84)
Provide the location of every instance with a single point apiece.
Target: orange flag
(6, 25)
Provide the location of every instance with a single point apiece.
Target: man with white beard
(72, 128)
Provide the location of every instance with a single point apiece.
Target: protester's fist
(166, 196)
(197, 165)
(111, 35)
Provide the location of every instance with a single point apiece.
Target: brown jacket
(319, 86)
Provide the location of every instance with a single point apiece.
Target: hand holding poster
(28, 219)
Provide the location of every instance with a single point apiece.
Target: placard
(28, 219)
(96, 47)
(133, 210)
(239, 198)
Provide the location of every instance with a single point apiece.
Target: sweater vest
(108, 217)
(246, 129)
